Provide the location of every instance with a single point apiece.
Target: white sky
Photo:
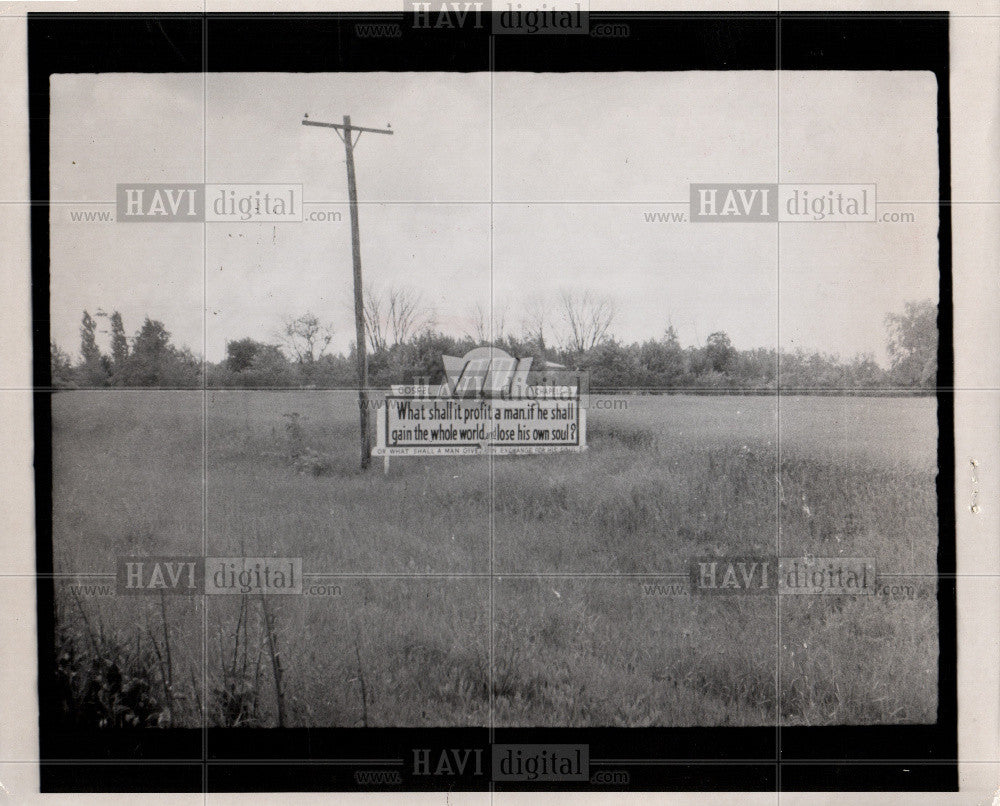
(564, 165)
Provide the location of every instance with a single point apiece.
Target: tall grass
(665, 480)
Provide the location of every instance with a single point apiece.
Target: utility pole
(359, 301)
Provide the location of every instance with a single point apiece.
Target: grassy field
(666, 478)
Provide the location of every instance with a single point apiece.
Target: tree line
(404, 343)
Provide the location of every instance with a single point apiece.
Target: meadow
(530, 590)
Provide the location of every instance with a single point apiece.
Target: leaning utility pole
(359, 300)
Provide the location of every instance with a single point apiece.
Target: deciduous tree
(587, 319)
(306, 337)
(913, 344)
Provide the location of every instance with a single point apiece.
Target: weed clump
(108, 684)
(300, 456)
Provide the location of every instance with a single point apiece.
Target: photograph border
(828, 758)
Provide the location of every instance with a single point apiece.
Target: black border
(847, 758)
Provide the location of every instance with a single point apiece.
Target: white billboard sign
(479, 411)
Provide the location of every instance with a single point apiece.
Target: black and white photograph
(494, 400)
(681, 329)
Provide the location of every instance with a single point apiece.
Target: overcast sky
(563, 167)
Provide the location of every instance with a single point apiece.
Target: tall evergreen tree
(88, 341)
(119, 343)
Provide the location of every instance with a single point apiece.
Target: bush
(107, 684)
